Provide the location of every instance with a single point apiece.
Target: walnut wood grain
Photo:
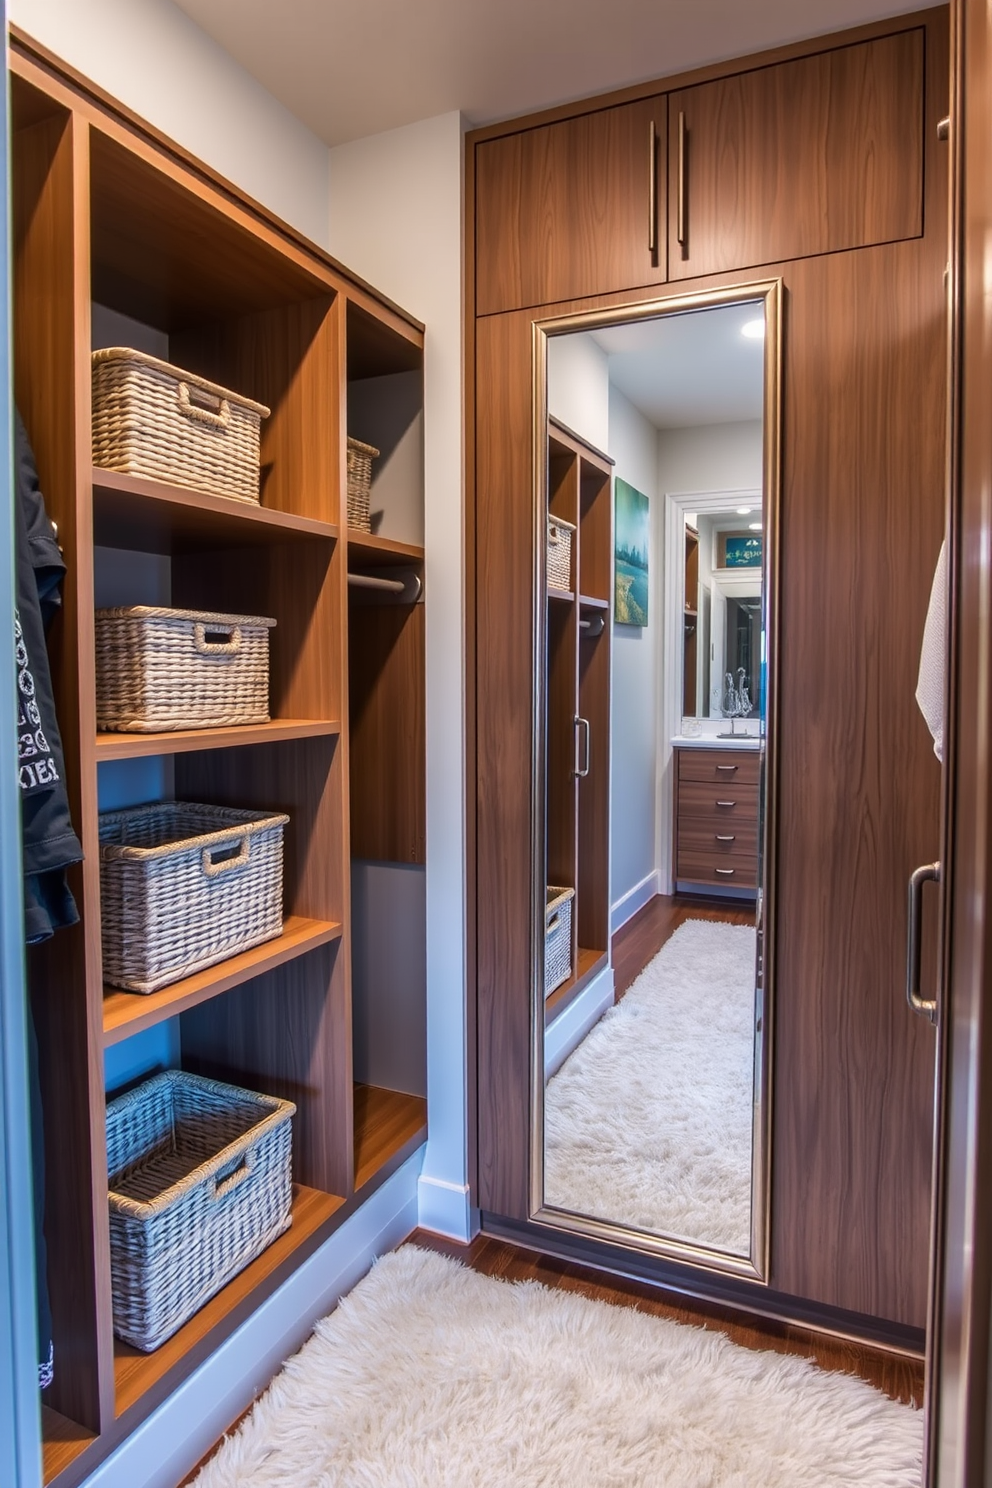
(62, 1441)
(389, 1126)
(51, 375)
(152, 517)
(593, 877)
(562, 211)
(862, 485)
(722, 766)
(808, 157)
(289, 1030)
(388, 754)
(858, 804)
(561, 784)
(128, 1013)
(505, 578)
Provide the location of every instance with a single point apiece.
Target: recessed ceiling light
(754, 329)
(744, 511)
(754, 526)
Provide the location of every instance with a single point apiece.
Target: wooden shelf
(364, 549)
(564, 596)
(589, 602)
(62, 1441)
(150, 516)
(389, 1127)
(187, 741)
(136, 1373)
(128, 1013)
(588, 964)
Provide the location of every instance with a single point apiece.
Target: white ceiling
(349, 68)
(683, 370)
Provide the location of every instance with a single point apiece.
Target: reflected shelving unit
(580, 491)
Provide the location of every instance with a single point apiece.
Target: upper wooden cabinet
(572, 209)
(801, 158)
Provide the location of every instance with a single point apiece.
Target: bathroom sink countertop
(704, 741)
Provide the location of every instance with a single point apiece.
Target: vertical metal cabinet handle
(582, 724)
(652, 189)
(944, 128)
(929, 873)
(680, 205)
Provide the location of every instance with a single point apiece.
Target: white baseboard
(169, 1444)
(446, 1209)
(570, 1027)
(636, 898)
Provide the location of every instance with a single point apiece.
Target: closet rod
(595, 627)
(368, 581)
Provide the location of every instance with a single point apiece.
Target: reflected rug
(648, 1122)
(430, 1376)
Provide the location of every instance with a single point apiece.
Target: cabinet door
(797, 159)
(572, 209)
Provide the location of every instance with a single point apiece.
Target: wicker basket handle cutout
(230, 1181)
(553, 923)
(197, 403)
(207, 646)
(213, 866)
(554, 534)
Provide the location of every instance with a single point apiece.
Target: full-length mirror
(657, 437)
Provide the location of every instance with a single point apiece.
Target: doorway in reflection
(653, 1105)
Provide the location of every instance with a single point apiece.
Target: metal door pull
(927, 1007)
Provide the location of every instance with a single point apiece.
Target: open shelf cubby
(119, 240)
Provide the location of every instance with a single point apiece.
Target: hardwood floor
(637, 942)
(898, 1376)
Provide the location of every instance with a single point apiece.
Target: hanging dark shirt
(48, 840)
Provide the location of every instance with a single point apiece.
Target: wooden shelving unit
(578, 704)
(128, 1013)
(185, 741)
(109, 223)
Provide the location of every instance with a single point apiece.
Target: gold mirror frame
(756, 1265)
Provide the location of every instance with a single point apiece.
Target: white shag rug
(431, 1376)
(649, 1122)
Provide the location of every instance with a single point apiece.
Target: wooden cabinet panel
(806, 157)
(565, 210)
(724, 766)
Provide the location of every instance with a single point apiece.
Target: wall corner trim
(446, 1209)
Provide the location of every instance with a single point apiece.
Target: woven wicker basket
(360, 457)
(557, 938)
(184, 886)
(560, 552)
(155, 420)
(200, 1184)
(160, 669)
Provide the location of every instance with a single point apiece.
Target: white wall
(710, 457)
(156, 60)
(579, 386)
(396, 219)
(633, 443)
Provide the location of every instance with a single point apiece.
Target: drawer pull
(726, 803)
(725, 838)
(727, 767)
(727, 872)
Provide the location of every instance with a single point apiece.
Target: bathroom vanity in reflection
(715, 839)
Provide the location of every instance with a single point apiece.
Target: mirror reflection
(656, 712)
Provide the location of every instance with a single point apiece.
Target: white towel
(933, 657)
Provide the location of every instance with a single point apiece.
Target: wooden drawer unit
(716, 817)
